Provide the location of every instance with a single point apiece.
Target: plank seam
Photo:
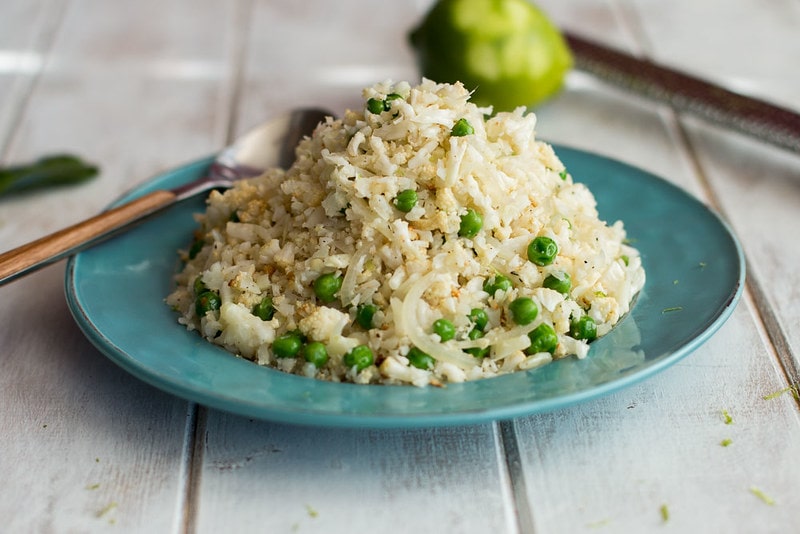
(763, 311)
(192, 468)
(242, 26)
(770, 326)
(509, 448)
(184, 469)
(42, 42)
(196, 430)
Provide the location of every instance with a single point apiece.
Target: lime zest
(106, 509)
(795, 391)
(761, 495)
(725, 442)
(598, 524)
(673, 309)
(726, 417)
(664, 513)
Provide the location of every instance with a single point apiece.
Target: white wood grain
(323, 53)
(636, 131)
(282, 479)
(133, 90)
(142, 86)
(26, 31)
(659, 443)
(136, 88)
(85, 445)
(292, 479)
(755, 185)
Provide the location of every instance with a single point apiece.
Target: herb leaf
(55, 170)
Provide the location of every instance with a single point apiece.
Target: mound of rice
(266, 242)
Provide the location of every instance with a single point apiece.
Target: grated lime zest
(761, 495)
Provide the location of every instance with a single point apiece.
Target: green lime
(507, 51)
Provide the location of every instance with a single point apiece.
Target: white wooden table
(138, 87)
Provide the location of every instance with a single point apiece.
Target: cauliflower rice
(334, 214)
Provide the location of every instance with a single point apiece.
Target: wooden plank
(134, 93)
(140, 93)
(292, 479)
(135, 87)
(615, 462)
(26, 29)
(754, 184)
(90, 445)
(325, 67)
(282, 478)
(709, 39)
(758, 188)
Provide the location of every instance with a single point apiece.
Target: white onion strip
(443, 352)
(355, 268)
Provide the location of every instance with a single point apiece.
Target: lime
(507, 51)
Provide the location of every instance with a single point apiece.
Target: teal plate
(695, 274)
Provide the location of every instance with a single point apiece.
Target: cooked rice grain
(333, 212)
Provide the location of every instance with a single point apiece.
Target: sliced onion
(356, 267)
(443, 352)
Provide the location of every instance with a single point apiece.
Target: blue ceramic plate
(695, 274)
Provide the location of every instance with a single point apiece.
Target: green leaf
(48, 171)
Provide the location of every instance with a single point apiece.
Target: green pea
(497, 283)
(387, 104)
(327, 286)
(264, 310)
(360, 357)
(471, 224)
(560, 281)
(375, 106)
(301, 335)
(461, 128)
(479, 318)
(542, 251)
(523, 310)
(199, 286)
(315, 353)
(365, 315)
(419, 359)
(476, 351)
(583, 328)
(543, 339)
(444, 329)
(474, 334)
(406, 200)
(196, 247)
(205, 302)
(287, 345)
